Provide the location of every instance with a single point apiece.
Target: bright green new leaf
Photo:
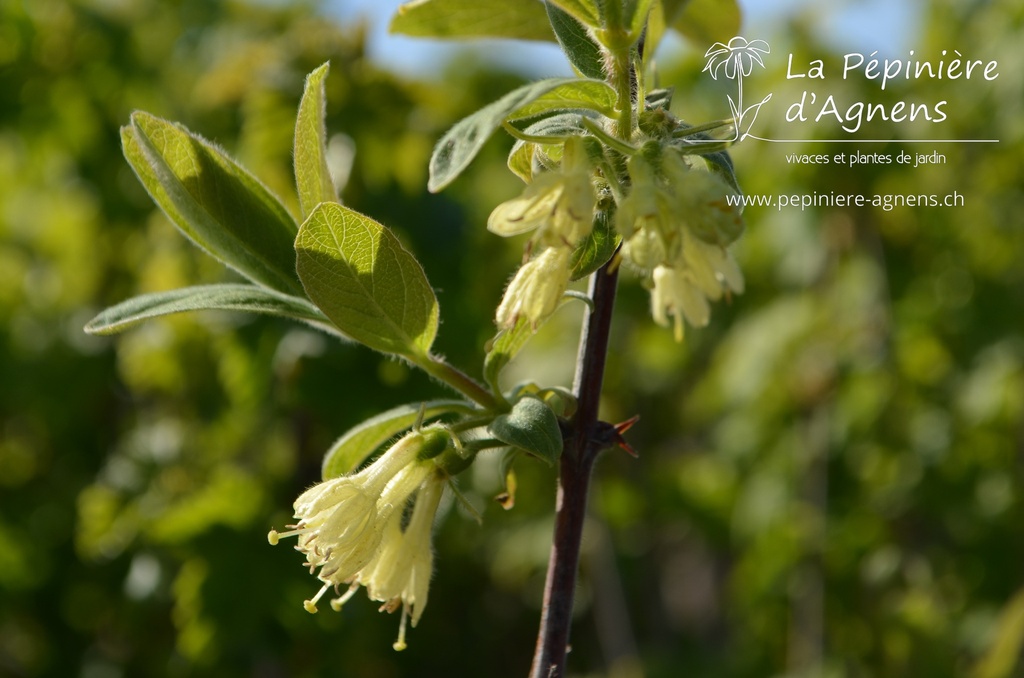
(584, 11)
(531, 427)
(312, 175)
(234, 297)
(706, 22)
(505, 345)
(583, 53)
(461, 143)
(596, 249)
(359, 442)
(213, 200)
(516, 19)
(592, 95)
(357, 272)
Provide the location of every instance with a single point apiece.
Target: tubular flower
(536, 289)
(706, 203)
(400, 573)
(676, 222)
(682, 290)
(559, 205)
(342, 522)
(648, 218)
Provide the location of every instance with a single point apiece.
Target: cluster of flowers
(675, 222)
(559, 206)
(351, 528)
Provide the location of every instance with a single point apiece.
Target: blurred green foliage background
(830, 475)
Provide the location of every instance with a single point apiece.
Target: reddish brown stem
(582, 445)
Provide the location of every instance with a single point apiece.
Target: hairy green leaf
(461, 143)
(357, 272)
(585, 11)
(516, 19)
(213, 200)
(583, 53)
(532, 427)
(596, 249)
(312, 175)
(359, 442)
(521, 157)
(505, 345)
(593, 95)
(232, 297)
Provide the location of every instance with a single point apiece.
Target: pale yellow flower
(559, 205)
(536, 289)
(676, 294)
(400, 573)
(342, 521)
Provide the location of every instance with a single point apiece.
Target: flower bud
(536, 289)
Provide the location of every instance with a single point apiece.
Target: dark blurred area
(830, 474)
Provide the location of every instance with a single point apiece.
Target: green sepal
(373, 289)
(597, 248)
(583, 53)
(532, 427)
(461, 143)
(353, 448)
(312, 175)
(216, 203)
(513, 19)
(228, 297)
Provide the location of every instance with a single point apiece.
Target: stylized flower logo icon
(736, 59)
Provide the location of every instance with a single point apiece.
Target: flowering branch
(582, 445)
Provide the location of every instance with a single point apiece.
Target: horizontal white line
(875, 141)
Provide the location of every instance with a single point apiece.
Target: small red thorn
(621, 428)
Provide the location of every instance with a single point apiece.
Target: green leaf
(639, 11)
(596, 249)
(312, 175)
(584, 11)
(505, 345)
(659, 98)
(353, 448)
(461, 143)
(721, 164)
(515, 19)
(249, 298)
(357, 272)
(531, 427)
(708, 21)
(593, 95)
(213, 201)
(583, 53)
(520, 158)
